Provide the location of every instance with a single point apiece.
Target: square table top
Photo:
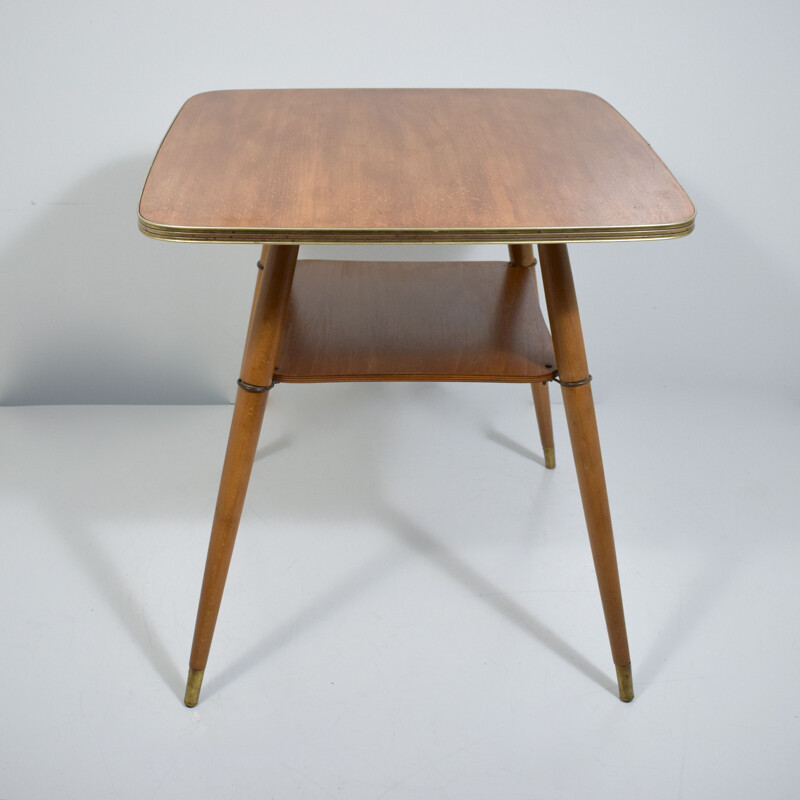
(300, 166)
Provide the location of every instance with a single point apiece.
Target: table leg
(260, 264)
(521, 255)
(573, 371)
(261, 350)
(541, 402)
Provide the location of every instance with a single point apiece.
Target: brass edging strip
(177, 233)
(433, 377)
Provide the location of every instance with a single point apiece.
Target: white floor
(411, 610)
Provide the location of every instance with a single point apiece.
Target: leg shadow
(515, 447)
(414, 537)
(324, 606)
(110, 582)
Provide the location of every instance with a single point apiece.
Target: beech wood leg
(573, 371)
(263, 340)
(260, 264)
(541, 402)
(521, 255)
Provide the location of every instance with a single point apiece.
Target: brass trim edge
(177, 233)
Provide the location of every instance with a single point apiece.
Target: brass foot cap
(625, 681)
(550, 457)
(193, 684)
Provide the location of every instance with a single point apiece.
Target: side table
(283, 168)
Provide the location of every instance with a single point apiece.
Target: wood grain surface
(389, 165)
(371, 321)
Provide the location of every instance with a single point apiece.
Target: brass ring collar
(572, 384)
(251, 387)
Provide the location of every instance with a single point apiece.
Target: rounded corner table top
(312, 166)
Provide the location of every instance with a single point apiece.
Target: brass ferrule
(625, 681)
(193, 684)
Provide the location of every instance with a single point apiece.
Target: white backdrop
(92, 312)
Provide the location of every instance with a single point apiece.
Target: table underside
(414, 321)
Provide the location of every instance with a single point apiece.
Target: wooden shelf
(417, 321)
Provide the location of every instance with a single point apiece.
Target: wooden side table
(289, 167)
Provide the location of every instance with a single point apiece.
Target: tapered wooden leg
(260, 264)
(573, 373)
(541, 402)
(261, 350)
(521, 255)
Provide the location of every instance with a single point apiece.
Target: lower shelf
(414, 321)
